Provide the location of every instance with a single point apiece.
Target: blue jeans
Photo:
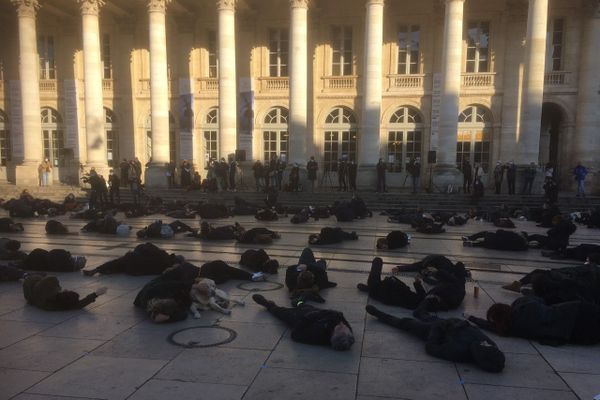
(581, 188)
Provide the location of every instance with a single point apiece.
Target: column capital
(226, 5)
(375, 2)
(26, 8)
(299, 3)
(158, 5)
(90, 7)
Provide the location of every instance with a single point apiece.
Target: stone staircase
(375, 201)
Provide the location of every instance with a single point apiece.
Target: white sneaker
(258, 277)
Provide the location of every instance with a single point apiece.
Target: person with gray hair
(312, 325)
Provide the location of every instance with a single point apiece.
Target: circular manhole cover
(202, 336)
(265, 286)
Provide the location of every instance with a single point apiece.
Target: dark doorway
(553, 122)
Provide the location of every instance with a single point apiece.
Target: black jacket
(451, 340)
(315, 325)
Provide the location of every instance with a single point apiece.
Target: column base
(27, 174)
(446, 179)
(155, 177)
(366, 177)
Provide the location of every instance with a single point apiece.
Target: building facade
(94, 81)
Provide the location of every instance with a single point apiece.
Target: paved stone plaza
(111, 351)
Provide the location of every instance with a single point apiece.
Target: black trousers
(413, 326)
(511, 186)
(220, 272)
(393, 291)
(115, 192)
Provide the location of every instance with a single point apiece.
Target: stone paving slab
(112, 351)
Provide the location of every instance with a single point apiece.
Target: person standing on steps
(352, 171)
(415, 173)
(498, 177)
(467, 171)
(511, 177)
(381, 170)
(342, 172)
(312, 168)
(580, 172)
(529, 178)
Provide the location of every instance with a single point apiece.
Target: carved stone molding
(158, 5)
(90, 7)
(26, 8)
(375, 2)
(299, 3)
(226, 4)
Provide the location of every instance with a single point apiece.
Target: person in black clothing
(107, 225)
(57, 260)
(95, 188)
(258, 172)
(7, 225)
(551, 190)
(255, 235)
(220, 272)
(331, 236)
(54, 227)
(449, 339)
(528, 317)
(259, 261)
(114, 183)
(511, 177)
(580, 252)
(312, 325)
(394, 240)
(166, 298)
(307, 278)
(295, 178)
(145, 259)
(467, 172)
(381, 170)
(560, 285)
(352, 171)
(46, 293)
(557, 238)
(447, 293)
(529, 178)
(124, 167)
(209, 232)
(499, 240)
(429, 265)
(498, 176)
(342, 172)
(312, 167)
(548, 213)
(213, 211)
(10, 250)
(415, 173)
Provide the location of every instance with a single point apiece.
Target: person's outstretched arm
(482, 323)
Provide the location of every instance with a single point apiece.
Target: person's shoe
(353, 236)
(362, 287)
(260, 299)
(513, 287)
(465, 238)
(79, 262)
(258, 277)
(526, 290)
(371, 309)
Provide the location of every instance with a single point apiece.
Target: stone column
(369, 148)
(298, 124)
(528, 140)
(227, 78)
(445, 170)
(586, 139)
(159, 93)
(26, 171)
(92, 69)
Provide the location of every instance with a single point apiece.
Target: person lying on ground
(331, 236)
(45, 292)
(554, 286)
(429, 267)
(447, 294)
(266, 214)
(210, 232)
(428, 225)
(57, 260)
(145, 259)
(528, 317)
(255, 235)
(213, 211)
(107, 225)
(311, 325)
(166, 298)
(10, 250)
(308, 263)
(158, 230)
(7, 225)
(9, 273)
(449, 339)
(54, 227)
(499, 240)
(556, 238)
(394, 240)
(259, 261)
(580, 252)
(220, 272)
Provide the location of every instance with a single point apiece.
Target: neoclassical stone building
(94, 81)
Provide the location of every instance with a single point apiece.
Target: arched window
(275, 135)
(53, 136)
(474, 136)
(112, 137)
(404, 138)
(172, 138)
(5, 149)
(340, 137)
(211, 135)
